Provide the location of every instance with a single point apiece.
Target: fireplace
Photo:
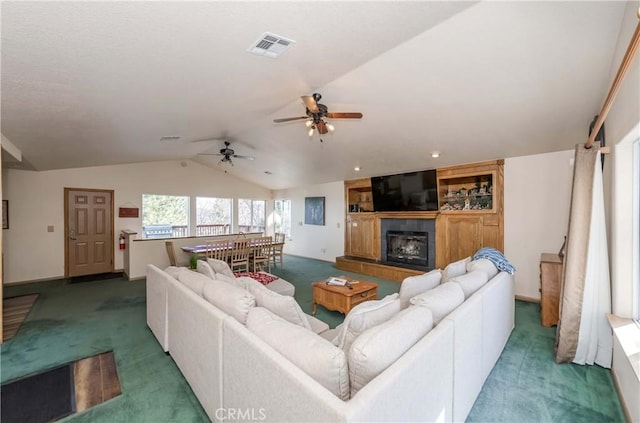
(409, 243)
(407, 247)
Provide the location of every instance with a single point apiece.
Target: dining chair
(277, 249)
(261, 257)
(171, 253)
(239, 255)
(218, 250)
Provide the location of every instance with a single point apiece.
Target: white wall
(537, 193)
(36, 200)
(320, 242)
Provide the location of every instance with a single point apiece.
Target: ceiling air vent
(270, 45)
(169, 138)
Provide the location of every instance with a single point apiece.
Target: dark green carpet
(70, 321)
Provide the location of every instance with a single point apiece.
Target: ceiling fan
(316, 115)
(227, 153)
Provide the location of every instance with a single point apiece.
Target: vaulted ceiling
(99, 83)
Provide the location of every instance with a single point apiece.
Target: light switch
(50, 228)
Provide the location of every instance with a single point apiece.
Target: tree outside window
(251, 215)
(165, 216)
(282, 217)
(213, 216)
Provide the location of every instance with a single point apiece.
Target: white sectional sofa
(234, 372)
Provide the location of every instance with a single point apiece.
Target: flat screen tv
(415, 191)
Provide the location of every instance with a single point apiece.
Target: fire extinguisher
(122, 243)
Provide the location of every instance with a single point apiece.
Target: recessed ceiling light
(357, 168)
(435, 154)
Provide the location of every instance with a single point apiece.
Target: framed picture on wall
(314, 211)
(5, 214)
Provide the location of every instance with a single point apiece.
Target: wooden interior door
(89, 231)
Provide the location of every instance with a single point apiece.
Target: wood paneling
(14, 312)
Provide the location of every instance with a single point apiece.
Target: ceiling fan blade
(290, 119)
(322, 127)
(210, 154)
(244, 157)
(310, 102)
(344, 115)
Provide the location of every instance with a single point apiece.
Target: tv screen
(415, 191)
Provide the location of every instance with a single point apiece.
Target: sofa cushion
(234, 301)
(220, 266)
(364, 316)
(380, 346)
(484, 265)
(233, 281)
(174, 271)
(313, 354)
(414, 285)
(454, 269)
(194, 281)
(471, 282)
(282, 305)
(204, 268)
(441, 300)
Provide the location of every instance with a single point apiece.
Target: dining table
(201, 250)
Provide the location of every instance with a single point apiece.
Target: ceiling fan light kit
(317, 115)
(227, 155)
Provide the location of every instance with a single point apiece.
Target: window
(164, 216)
(282, 216)
(213, 216)
(251, 215)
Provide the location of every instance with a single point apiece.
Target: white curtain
(584, 335)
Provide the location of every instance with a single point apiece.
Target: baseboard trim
(528, 299)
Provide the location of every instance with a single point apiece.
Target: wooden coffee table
(341, 298)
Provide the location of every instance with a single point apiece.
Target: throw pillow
(414, 285)
(313, 354)
(441, 300)
(194, 280)
(220, 266)
(381, 346)
(234, 301)
(204, 268)
(454, 269)
(364, 316)
(282, 305)
(471, 282)
(484, 265)
(263, 278)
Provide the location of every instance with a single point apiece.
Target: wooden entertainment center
(470, 216)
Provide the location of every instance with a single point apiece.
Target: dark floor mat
(39, 398)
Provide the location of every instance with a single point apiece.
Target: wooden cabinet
(471, 210)
(358, 195)
(362, 236)
(550, 282)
